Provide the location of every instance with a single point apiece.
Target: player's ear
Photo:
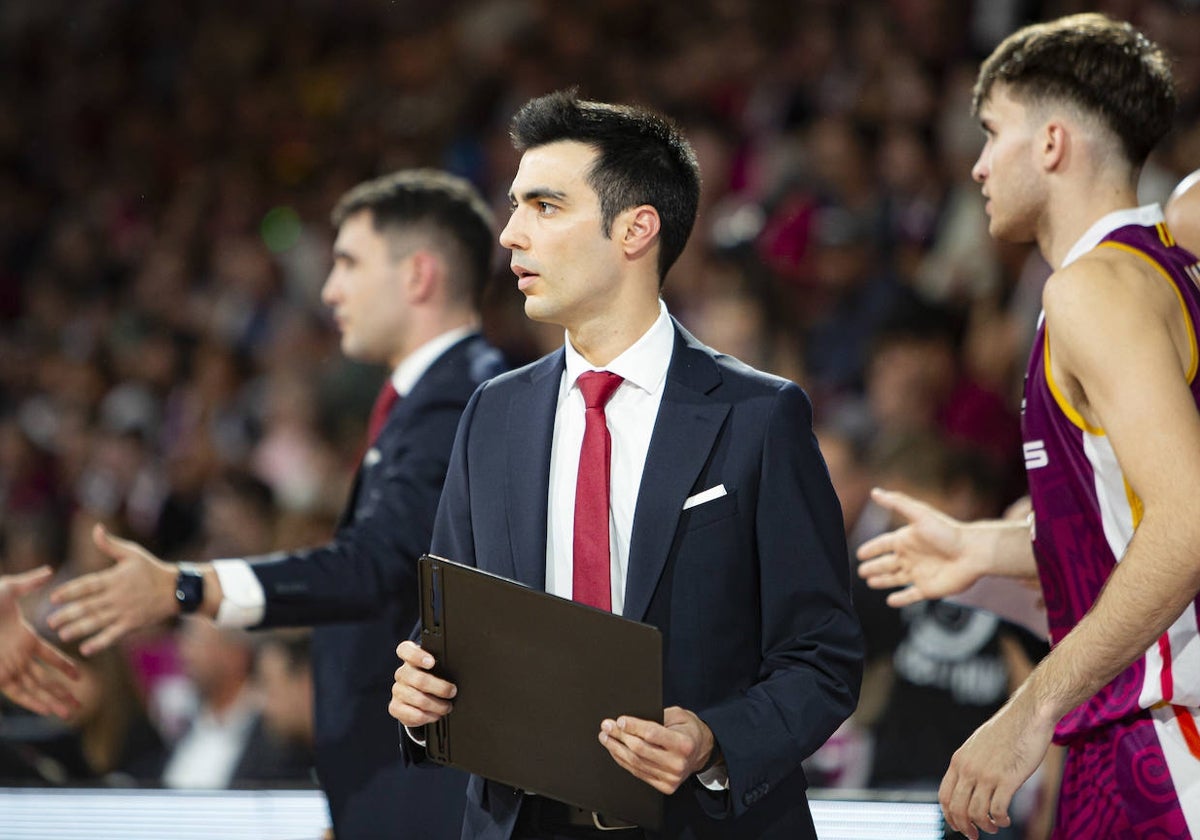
(1055, 145)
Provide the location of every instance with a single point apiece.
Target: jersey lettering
(1036, 456)
(1193, 273)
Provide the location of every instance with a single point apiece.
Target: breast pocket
(707, 513)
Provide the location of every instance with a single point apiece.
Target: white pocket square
(705, 496)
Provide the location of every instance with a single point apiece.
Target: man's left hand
(663, 754)
(986, 771)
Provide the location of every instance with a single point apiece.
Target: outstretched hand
(32, 670)
(926, 556)
(138, 590)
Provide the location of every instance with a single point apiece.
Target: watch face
(189, 590)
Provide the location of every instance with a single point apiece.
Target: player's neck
(1071, 213)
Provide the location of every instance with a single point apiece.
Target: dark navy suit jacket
(751, 590)
(362, 590)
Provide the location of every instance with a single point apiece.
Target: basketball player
(1070, 110)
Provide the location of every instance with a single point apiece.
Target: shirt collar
(644, 364)
(414, 365)
(1147, 215)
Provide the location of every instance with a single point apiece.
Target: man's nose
(512, 236)
(979, 171)
(329, 289)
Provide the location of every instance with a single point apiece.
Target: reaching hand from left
(663, 754)
(32, 670)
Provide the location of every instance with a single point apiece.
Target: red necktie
(591, 584)
(383, 404)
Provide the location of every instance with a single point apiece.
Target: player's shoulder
(1107, 281)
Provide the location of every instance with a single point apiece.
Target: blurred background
(167, 367)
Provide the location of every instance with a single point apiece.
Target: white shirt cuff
(243, 601)
(715, 777)
(413, 736)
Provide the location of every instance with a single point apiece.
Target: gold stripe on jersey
(1187, 320)
(1064, 406)
(1136, 509)
(1164, 235)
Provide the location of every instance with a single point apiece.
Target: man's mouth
(525, 277)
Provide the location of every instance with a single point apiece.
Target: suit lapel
(527, 477)
(684, 433)
(430, 385)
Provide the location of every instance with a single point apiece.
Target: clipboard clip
(433, 608)
(431, 619)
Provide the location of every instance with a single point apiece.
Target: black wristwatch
(189, 589)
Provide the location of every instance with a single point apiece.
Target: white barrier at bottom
(85, 814)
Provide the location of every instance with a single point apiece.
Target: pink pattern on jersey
(1116, 785)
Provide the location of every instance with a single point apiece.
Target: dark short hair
(1101, 66)
(445, 207)
(643, 158)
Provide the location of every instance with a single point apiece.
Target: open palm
(926, 556)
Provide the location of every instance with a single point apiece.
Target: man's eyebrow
(538, 194)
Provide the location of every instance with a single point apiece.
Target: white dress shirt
(243, 601)
(630, 413)
(208, 753)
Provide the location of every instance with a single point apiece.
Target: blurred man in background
(412, 253)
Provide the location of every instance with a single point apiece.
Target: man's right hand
(138, 590)
(928, 556)
(418, 697)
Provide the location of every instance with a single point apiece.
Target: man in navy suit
(412, 252)
(722, 527)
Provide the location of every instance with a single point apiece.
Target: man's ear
(1056, 145)
(426, 274)
(638, 229)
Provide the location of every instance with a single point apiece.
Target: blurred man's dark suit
(361, 592)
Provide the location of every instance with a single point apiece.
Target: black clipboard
(536, 674)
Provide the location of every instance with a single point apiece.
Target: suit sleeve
(372, 558)
(453, 537)
(811, 640)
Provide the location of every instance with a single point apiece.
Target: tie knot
(597, 387)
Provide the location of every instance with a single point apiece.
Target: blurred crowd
(167, 367)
